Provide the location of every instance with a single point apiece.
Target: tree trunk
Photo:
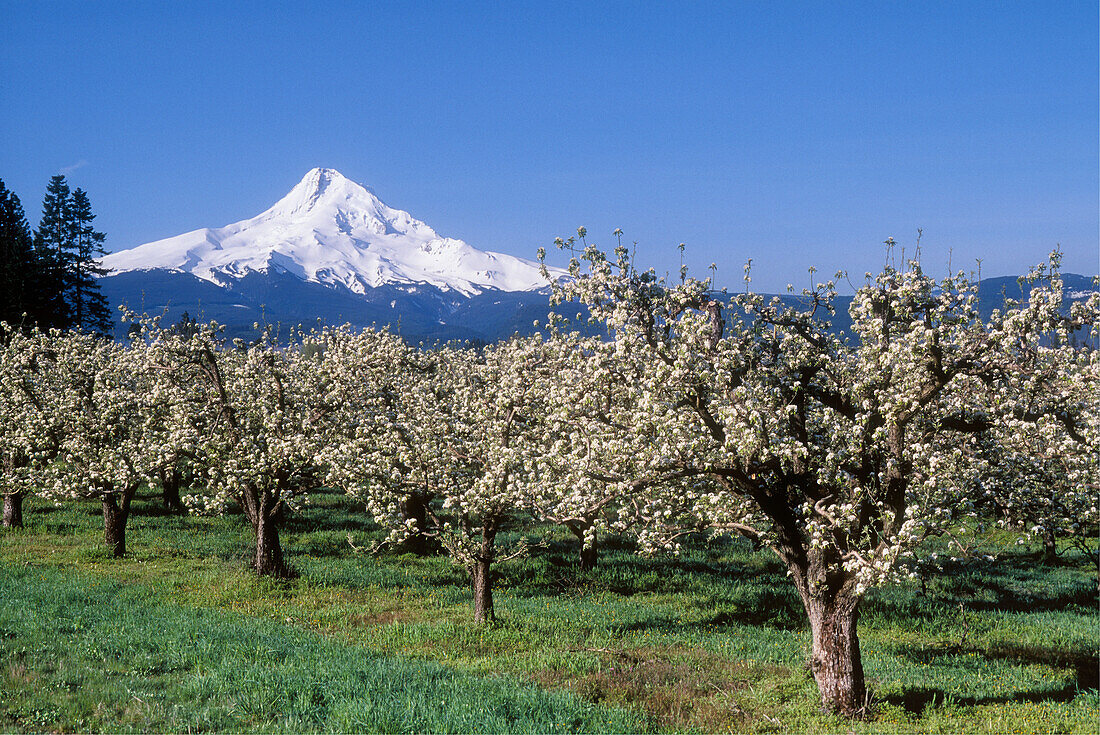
(415, 507)
(265, 514)
(1050, 545)
(482, 576)
(114, 523)
(590, 554)
(268, 560)
(836, 663)
(13, 510)
(170, 481)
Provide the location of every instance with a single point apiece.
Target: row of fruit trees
(691, 412)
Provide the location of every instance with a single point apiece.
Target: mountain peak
(329, 229)
(321, 186)
(317, 180)
(318, 172)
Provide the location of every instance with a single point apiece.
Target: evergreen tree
(53, 242)
(186, 327)
(18, 264)
(87, 305)
(67, 246)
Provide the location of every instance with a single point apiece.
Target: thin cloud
(69, 169)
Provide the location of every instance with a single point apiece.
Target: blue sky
(795, 134)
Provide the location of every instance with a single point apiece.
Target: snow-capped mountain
(331, 251)
(334, 231)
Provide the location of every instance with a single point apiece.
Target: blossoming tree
(461, 432)
(383, 451)
(839, 453)
(116, 427)
(30, 428)
(257, 414)
(588, 464)
(1042, 473)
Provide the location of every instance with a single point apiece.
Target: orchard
(694, 413)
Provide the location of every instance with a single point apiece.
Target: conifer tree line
(48, 275)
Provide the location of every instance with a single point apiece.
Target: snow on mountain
(333, 231)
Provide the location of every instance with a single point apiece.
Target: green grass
(712, 641)
(88, 653)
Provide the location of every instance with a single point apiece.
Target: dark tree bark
(115, 515)
(1050, 545)
(415, 507)
(590, 554)
(482, 575)
(268, 560)
(265, 514)
(170, 481)
(13, 510)
(831, 603)
(835, 660)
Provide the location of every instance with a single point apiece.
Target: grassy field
(180, 636)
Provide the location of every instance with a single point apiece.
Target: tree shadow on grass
(1015, 583)
(916, 701)
(155, 509)
(779, 609)
(626, 577)
(298, 523)
(1085, 666)
(41, 509)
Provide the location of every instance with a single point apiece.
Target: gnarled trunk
(590, 553)
(265, 515)
(481, 573)
(836, 662)
(831, 603)
(1050, 545)
(833, 611)
(268, 560)
(13, 510)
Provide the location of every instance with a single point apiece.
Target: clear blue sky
(796, 133)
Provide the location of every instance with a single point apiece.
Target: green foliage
(19, 274)
(65, 268)
(52, 242)
(89, 308)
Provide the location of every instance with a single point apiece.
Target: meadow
(179, 635)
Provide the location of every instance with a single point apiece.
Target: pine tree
(186, 327)
(18, 264)
(53, 242)
(87, 305)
